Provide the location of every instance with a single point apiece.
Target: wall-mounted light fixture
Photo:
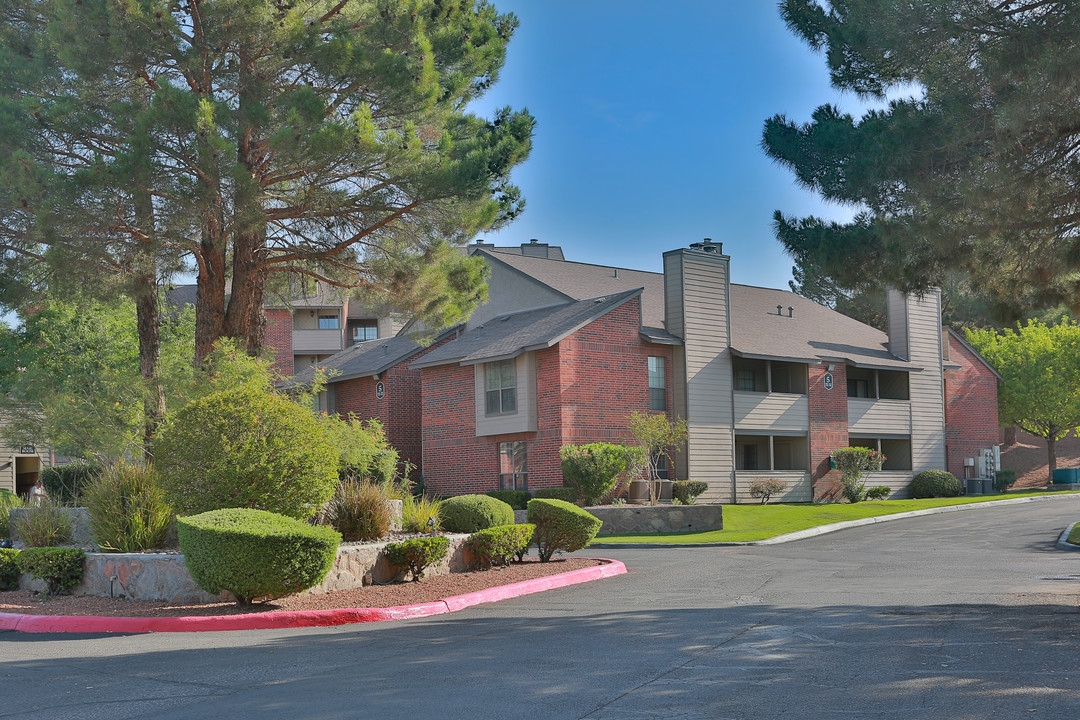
(831, 368)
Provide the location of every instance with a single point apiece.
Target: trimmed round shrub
(565, 494)
(416, 554)
(9, 569)
(593, 469)
(469, 513)
(254, 553)
(561, 527)
(8, 502)
(60, 568)
(360, 510)
(687, 491)
(517, 499)
(495, 546)
(935, 483)
(127, 508)
(250, 448)
(878, 492)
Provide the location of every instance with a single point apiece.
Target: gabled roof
(364, 359)
(973, 351)
(507, 336)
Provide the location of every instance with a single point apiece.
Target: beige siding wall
(510, 291)
(699, 314)
(9, 457)
(797, 485)
(898, 323)
(317, 341)
(898, 481)
(771, 412)
(888, 417)
(524, 420)
(927, 386)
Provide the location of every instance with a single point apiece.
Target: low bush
(8, 501)
(416, 554)
(1004, 479)
(9, 569)
(765, 488)
(495, 546)
(565, 494)
(420, 514)
(255, 553)
(360, 510)
(517, 499)
(44, 525)
(935, 483)
(247, 447)
(60, 568)
(469, 513)
(560, 526)
(593, 469)
(879, 492)
(127, 508)
(687, 491)
(65, 483)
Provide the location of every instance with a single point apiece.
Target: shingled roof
(363, 359)
(509, 335)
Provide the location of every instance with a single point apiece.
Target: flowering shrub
(854, 464)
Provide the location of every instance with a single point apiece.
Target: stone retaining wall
(652, 518)
(149, 576)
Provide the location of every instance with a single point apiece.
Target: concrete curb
(835, 527)
(312, 618)
(1063, 541)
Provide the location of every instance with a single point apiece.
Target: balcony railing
(317, 341)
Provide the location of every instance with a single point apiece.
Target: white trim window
(513, 466)
(657, 384)
(500, 388)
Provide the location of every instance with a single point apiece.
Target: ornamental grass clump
(561, 527)
(8, 501)
(44, 525)
(854, 464)
(60, 568)
(127, 508)
(469, 513)
(420, 514)
(416, 554)
(360, 510)
(497, 545)
(247, 447)
(255, 554)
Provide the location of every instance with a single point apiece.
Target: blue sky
(649, 119)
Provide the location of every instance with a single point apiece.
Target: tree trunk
(149, 327)
(1051, 457)
(245, 319)
(1010, 436)
(209, 298)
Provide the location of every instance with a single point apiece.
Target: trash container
(1066, 476)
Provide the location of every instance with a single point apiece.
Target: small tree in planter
(656, 433)
(593, 469)
(855, 464)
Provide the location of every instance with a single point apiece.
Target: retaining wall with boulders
(652, 518)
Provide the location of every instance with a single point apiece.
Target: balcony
(889, 417)
(771, 411)
(317, 342)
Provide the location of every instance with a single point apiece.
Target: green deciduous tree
(971, 164)
(1040, 367)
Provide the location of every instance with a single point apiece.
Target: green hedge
(65, 483)
(9, 569)
(1004, 479)
(935, 483)
(255, 553)
(60, 568)
(469, 513)
(517, 499)
(416, 554)
(561, 526)
(565, 494)
(495, 546)
(687, 491)
(8, 502)
(593, 469)
(250, 448)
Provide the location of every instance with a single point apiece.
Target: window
(364, 330)
(750, 457)
(513, 472)
(858, 388)
(657, 384)
(744, 381)
(328, 322)
(500, 387)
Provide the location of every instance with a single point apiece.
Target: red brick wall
(971, 411)
(586, 386)
(828, 428)
(279, 328)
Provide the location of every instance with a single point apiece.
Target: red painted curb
(309, 618)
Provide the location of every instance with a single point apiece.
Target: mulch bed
(374, 596)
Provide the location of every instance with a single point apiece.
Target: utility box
(1066, 476)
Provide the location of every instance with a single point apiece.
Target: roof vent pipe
(790, 311)
(710, 247)
(616, 272)
(780, 310)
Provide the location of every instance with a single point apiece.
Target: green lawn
(743, 523)
(1074, 536)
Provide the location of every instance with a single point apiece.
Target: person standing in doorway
(37, 493)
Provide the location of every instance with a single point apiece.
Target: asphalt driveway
(961, 615)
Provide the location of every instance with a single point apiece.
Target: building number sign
(828, 381)
(27, 450)
(380, 390)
